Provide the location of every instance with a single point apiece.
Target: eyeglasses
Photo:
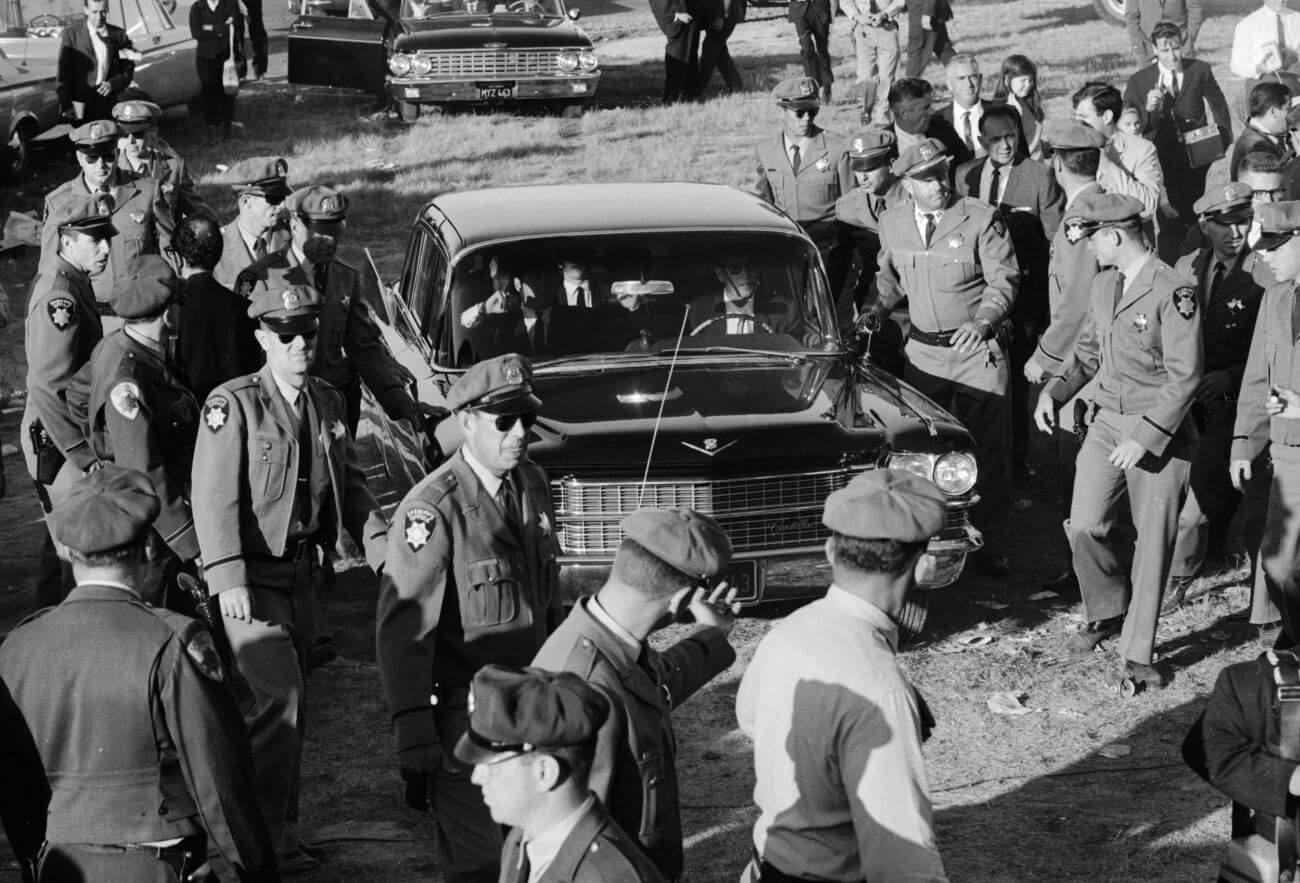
(102, 159)
(307, 336)
(506, 422)
(1272, 195)
(135, 136)
(804, 112)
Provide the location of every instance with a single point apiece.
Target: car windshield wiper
(796, 358)
(618, 356)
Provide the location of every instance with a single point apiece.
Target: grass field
(1016, 798)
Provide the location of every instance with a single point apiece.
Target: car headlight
(955, 473)
(567, 61)
(917, 464)
(421, 65)
(587, 59)
(400, 65)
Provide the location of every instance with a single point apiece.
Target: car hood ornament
(710, 446)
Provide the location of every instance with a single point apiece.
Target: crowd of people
(1068, 286)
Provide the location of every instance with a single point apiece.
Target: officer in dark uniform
(61, 330)
(142, 745)
(139, 212)
(275, 479)
(1230, 281)
(859, 212)
(662, 562)
(261, 227)
(1142, 344)
(141, 151)
(532, 740)
(470, 578)
(138, 414)
(952, 259)
(804, 169)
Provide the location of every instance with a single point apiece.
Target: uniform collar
(1132, 270)
(601, 615)
(859, 608)
(542, 850)
(491, 483)
(290, 394)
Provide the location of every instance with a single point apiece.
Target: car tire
(407, 111)
(18, 151)
(1110, 10)
(911, 622)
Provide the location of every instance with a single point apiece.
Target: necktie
(929, 228)
(580, 297)
(259, 247)
(966, 134)
(1119, 291)
(1281, 36)
(794, 158)
(320, 276)
(1219, 272)
(509, 504)
(877, 207)
(524, 871)
(995, 186)
(1295, 314)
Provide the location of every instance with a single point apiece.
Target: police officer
(1259, 426)
(804, 169)
(142, 151)
(275, 479)
(261, 226)
(532, 741)
(859, 212)
(160, 768)
(953, 261)
(470, 578)
(664, 559)
(1230, 281)
(349, 348)
(138, 414)
(1142, 343)
(837, 728)
(61, 331)
(140, 214)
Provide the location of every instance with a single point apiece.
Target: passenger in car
(739, 307)
(503, 319)
(568, 308)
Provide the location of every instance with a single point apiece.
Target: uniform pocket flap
(487, 571)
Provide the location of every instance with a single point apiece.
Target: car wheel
(408, 112)
(1110, 10)
(911, 622)
(18, 151)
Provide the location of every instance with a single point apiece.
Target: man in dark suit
(911, 101)
(681, 66)
(1031, 202)
(812, 22)
(1170, 96)
(1142, 16)
(569, 310)
(96, 62)
(740, 307)
(967, 108)
(1266, 127)
(927, 34)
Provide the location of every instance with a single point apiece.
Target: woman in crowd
(1018, 87)
(210, 24)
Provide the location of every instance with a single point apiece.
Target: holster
(49, 459)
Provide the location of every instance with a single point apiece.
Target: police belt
(295, 552)
(767, 873)
(932, 338)
(184, 858)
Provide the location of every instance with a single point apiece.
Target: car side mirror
(574, 14)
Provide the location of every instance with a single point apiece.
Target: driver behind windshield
(741, 305)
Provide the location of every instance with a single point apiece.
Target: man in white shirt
(1265, 41)
(967, 108)
(1129, 164)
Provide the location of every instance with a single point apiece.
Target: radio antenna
(663, 400)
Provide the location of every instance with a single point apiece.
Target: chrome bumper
(576, 87)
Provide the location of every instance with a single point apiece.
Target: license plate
(496, 92)
(412, 92)
(743, 577)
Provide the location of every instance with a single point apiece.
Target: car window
(633, 293)
(432, 8)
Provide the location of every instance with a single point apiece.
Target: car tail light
(567, 61)
(400, 65)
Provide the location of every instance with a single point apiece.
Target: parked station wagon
(654, 394)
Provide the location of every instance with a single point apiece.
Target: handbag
(229, 73)
(1203, 145)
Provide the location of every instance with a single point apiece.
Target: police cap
(136, 116)
(285, 307)
(922, 160)
(318, 206)
(97, 137)
(1278, 222)
(499, 386)
(1096, 210)
(91, 215)
(111, 507)
(693, 543)
(1226, 204)
(149, 285)
(1071, 135)
(265, 176)
(882, 504)
(870, 150)
(517, 710)
(797, 93)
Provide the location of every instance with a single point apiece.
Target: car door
(330, 51)
(165, 70)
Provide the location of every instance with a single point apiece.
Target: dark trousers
(1184, 185)
(218, 107)
(1024, 339)
(257, 34)
(714, 54)
(814, 30)
(681, 61)
(923, 45)
(467, 842)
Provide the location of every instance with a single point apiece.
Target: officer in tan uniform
(804, 169)
(349, 349)
(275, 478)
(61, 330)
(140, 740)
(953, 261)
(532, 741)
(140, 214)
(664, 560)
(261, 227)
(1142, 344)
(470, 578)
(1272, 366)
(138, 414)
(141, 151)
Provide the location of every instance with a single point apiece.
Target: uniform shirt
(1230, 308)
(595, 849)
(808, 195)
(1256, 34)
(1274, 360)
(840, 781)
(543, 850)
(1071, 268)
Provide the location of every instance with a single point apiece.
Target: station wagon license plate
(490, 93)
(743, 577)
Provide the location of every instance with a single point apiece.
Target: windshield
(420, 9)
(634, 293)
(47, 17)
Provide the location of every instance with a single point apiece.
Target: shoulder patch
(126, 399)
(216, 412)
(245, 282)
(63, 312)
(203, 652)
(1185, 301)
(419, 526)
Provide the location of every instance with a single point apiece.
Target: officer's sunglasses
(810, 112)
(506, 422)
(101, 159)
(307, 336)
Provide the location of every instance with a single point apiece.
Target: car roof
(540, 210)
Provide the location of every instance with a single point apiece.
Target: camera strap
(1286, 705)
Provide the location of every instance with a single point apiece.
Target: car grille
(490, 63)
(759, 514)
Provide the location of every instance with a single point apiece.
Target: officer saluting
(470, 578)
(140, 739)
(260, 227)
(1142, 343)
(532, 740)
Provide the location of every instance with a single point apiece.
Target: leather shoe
(1174, 596)
(992, 563)
(1086, 639)
(1147, 676)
